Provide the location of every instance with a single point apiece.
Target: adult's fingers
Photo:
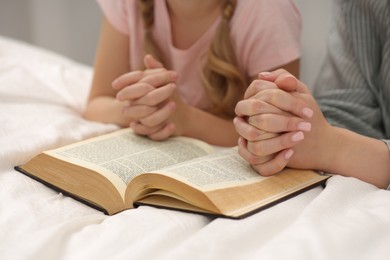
(257, 86)
(276, 144)
(275, 165)
(265, 165)
(248, 156)
(275, 123)
(250, 132)
(284, 80)
(254, 106)
(285, 101)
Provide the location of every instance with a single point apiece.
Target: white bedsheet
(41, 98)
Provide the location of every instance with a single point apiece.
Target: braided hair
(221, 78)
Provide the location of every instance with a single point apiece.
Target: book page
(218, 170)
(122, 155)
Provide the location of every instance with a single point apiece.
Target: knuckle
(139, 130)
(261, 121)
(281, 71)
(278, 166)
(285, 141)
(255, 84)
(275, 95)
(267, 96)
(256, 106)
(251, 160)
(148, 122)
(256, 148)
(295, 105)
(252, 134)
(238, 108)
(290, 124)
(152, 100)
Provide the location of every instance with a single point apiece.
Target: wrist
(359, 156)
(327, 150)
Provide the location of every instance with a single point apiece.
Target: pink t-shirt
(265, 33)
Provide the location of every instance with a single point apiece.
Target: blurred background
(71, 28)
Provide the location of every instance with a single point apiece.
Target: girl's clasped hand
(149, 99)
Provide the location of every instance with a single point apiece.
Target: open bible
(120, 170)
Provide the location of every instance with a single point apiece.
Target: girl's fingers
(160, 78)
(159, 116)
(138, 112)
(276, 144)
(278, 123)
(140, 129)
(151, 63)
(127, 79)
(158, 133)
(164, 133)
(156, 96)
(154, 78)
(134, 91)
(250, 132)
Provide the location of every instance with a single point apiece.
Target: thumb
(151, 63)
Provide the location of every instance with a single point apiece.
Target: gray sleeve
(351, 90)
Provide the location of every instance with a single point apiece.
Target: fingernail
(297, 137)
(288, 154)
(264, 74)
(307, 112)
(304, 126)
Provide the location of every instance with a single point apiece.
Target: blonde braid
(147, 12)
(223, 82)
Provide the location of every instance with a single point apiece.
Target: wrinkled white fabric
(41, 99)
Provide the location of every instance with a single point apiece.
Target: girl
(203, 53)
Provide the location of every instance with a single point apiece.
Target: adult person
(281, 124)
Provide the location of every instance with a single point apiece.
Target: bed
(42, 96)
